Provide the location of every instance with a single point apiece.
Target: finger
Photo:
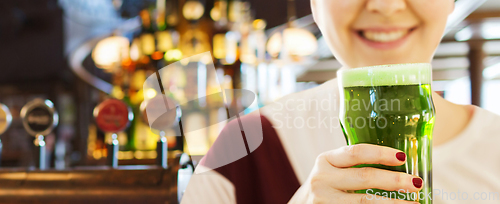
(366, 178)
(353, 155)
(354, 198)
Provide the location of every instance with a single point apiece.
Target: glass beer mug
(391, 105)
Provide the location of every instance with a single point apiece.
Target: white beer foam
(386, 75)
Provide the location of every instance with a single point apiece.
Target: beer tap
(5, 121)
(113, 116)
(39, 119)
(170, 117)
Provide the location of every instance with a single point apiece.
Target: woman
(303, 158)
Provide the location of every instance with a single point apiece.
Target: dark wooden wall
(31, 41)
(32, 64)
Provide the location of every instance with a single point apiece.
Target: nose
(386, 7)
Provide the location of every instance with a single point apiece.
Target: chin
(378, 62)
(377, 59)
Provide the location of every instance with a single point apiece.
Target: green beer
(391, 105)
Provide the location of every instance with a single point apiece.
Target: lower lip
(385, 45)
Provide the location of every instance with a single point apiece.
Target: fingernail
(401, 156)
(417, 182)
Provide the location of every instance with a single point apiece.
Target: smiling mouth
(385, 36)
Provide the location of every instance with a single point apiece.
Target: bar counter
(125, 184)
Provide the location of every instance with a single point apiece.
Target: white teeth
(384, 36)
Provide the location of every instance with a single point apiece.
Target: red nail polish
(401, 156)
(417, 182)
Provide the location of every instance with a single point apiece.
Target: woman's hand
(331, 177)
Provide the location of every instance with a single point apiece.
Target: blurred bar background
(79, 52)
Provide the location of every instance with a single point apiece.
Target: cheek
(433, 13)
(336, 17)
(344, 12)
(335, 14)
